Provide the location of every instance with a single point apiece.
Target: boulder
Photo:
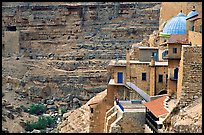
(35, 131)
(22, 124)
(76, 100)
(50, 102)
(52, 107)
(10, 115)
(9, 87)
(10, 107)
(18, 109)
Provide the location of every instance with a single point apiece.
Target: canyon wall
(77, 39)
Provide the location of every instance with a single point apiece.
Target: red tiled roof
(178, 38)
(157, 106)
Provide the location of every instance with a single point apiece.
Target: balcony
(112, 82)
(173, 56)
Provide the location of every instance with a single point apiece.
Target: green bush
(37, 109)
(29, 126)
(42, 131)
(50, 121)
(41, 124)
(63, 110)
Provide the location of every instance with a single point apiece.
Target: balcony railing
(121, 107)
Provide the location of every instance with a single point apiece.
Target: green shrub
(63, 110)
(37, 109)
(50, 121)
(29, 126)
(41, 124)
(42, 131)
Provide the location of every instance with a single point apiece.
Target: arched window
(164, 54)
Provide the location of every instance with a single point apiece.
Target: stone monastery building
(153, 81)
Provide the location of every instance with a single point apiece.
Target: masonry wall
(121, 92)
(119, 69)
(135, 54)
(145, 55)
(136, 75)
(160, 86)
(195, 38)
(192, 75)
(172, 85)
(198, 24)
(170, 51)
(132, 122)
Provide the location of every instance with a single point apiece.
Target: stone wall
(160, 86)
(192, 75)
(136, 76)
(145, 54)
(195, 38)
(119, 69)
(132, 122)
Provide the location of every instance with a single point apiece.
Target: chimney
(128, 64)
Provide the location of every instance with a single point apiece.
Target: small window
(160, 78)
(11, 28)
(174, 50)
(166, 78)
(91, 110)
(143, 76)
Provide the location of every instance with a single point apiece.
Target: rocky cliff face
(185, 120)
(78, 39)
(79, 120)
(65, 47)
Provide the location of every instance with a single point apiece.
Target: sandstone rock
(5, 130)
(9, 107)
(50, 102)
(22, 124)
(52, 107)
(76, 100)
(9, 86)
(10, 115)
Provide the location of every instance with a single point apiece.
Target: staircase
(144, 95)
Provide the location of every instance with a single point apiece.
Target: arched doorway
(162, 92)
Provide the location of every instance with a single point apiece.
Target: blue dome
(176, 25)
(192, 13)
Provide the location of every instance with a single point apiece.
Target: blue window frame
(120, 77)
